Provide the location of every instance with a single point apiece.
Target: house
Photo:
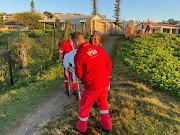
(124, 24)
(86, 23)
(160, 27)
(13, 26)
(8, 16)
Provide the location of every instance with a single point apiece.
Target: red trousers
(87, 99)
(74, 85)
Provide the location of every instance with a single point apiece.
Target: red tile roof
(161, 24)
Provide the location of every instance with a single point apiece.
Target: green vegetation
(139, 31)
(31, 52)
(31, 19)
(95, 7)
(156, 60)
(28, 96)
(117, 11)
(134, 108)
(16, 104)
(170, 21)
(49, 14)
(32, 6)
(105, 39)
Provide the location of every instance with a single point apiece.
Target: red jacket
(66, 47)
(91, 39)
(92, 66)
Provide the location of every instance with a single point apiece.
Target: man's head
(95, 32)
(78, 39)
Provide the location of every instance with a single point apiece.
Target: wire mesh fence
(28, 55)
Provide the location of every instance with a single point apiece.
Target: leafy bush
(40, 51)
(155, 59)
(88, 37)
(139, 31)
(29, 18)
(4, 72)
(37, 34)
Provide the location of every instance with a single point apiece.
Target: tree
(68, 23)
(95, 8)
(117, 11)
(1, 20)
(32, 6)
(164, 21)
(48, 14)
(58, 22)
(29, 18)
(172, 21)
(137, 22)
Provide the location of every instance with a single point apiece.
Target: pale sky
(156, 10)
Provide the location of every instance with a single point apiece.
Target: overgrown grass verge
(16, 104)
(134, 108)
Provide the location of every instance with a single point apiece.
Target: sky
(137, 10)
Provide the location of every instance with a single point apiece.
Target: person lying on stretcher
(69, 68)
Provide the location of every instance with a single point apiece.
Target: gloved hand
(62, 64)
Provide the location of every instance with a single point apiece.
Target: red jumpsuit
(97, 41)
(93, 67)
(66, 48)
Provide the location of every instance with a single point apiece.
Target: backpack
(96, 39)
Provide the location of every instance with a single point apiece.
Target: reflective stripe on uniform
(65, 81)
(60, 51)
(83, 119)
(104, 112)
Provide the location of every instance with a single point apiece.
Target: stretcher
(69, 68)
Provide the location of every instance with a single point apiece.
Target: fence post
(75, 27)
(55, 42)
(82, 28)
(9, 57)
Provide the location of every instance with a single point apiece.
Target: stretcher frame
(70, 69)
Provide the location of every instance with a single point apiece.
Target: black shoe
(107, 131)
(75, 92)
(66, 91)
(75, 129)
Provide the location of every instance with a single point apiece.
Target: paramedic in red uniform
(67, 47)
(95, 39)
(93, 67)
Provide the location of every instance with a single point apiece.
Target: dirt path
(50, 109)
(110, 44)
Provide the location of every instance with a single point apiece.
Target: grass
(105, 39)
(134, 108)
(17, 104)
